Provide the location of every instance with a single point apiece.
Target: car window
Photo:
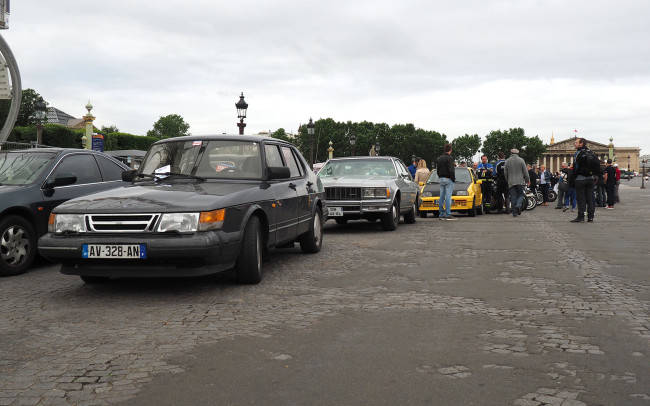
(290, 159)
(83, 166)
(273, 157)
(22, 168)
(463, 176)
(231, 159)
(110, 170)
(401, 169)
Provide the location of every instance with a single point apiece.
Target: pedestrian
(562, 176)
(485, 172)
(610, 184)
(413, 167)
(517, 177)
(532, 175)
(422, 173)
(544, 183)
(601, 192)
(586, 169)
(618, 183)
(502, 184)
(447, 176)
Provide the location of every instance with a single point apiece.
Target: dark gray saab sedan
(197, 205)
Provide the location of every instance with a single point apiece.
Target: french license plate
(122, 251)
(335, 211)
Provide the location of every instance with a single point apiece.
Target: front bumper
(360, 208)
(458, 203)
(168, 255)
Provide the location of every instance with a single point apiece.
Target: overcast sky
(456, 67)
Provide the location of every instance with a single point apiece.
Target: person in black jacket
(502, 183)
(532, 174)
(447, 175)
(583, 180)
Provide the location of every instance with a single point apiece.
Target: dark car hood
(162, 198)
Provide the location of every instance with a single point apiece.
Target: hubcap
(14, 246)
(318, 231)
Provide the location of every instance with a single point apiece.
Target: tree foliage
(465, 147)
(109, 129)
(54, 135)
(530, 148)
(171, 125)
(120, 141)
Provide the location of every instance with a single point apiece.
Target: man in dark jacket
(447, 175)
(584, 180)
(502, 184)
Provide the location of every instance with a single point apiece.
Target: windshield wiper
(185, 175)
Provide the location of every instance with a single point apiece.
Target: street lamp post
(310, 131)
(40, 111)
(628, 167)
(643, 174)
(353, 141)
(242, 106)
(377, 147)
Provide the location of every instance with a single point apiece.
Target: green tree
(171, 125)
(530, 148)
(26, 115)
(465, 147)
(109, 129)
(281, 134)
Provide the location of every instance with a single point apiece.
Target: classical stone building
(563, 151)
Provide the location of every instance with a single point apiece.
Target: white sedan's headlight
(461, 193)
(376, 192)
(181, 222)
(66, 223)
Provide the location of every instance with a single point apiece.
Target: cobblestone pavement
(564, 305)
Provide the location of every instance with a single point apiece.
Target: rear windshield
(22, 168)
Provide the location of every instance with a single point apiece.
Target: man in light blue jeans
(447, 174)
(444, 202)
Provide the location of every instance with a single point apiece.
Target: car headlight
(181, 222)
(376, 192)
(66, 223)
(427, 194)
(461, 193)
(191, 222)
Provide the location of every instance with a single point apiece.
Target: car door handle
(292, 186)
(309, 184)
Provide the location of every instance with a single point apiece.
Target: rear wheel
(312, 241)
(552, 195)
(531, 203)
(390, 220)
(17, 245)
(249, 263)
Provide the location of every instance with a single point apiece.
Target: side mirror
(278, 172)
(421, 183)
(61, 179)
(127, 176)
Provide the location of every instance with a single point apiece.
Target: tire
(17, 245)
(409, 217)
(531, 203)
(423, 214)
(539, 197)
(94, 279)
(341, 220)
(552, 196)
(249, 262)
(312, 241)
(390, 220)
(472, 212)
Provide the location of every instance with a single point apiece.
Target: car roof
(349, 158)
(228, 137)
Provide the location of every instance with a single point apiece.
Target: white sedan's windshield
(358, 167)
(205, 159)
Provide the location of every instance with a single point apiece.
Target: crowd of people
(584, 184)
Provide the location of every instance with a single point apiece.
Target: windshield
(22, 168)
(205, 159)
(462, 176)
(357, 167)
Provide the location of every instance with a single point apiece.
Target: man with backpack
(585, 174)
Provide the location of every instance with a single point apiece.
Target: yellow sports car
(467, 196)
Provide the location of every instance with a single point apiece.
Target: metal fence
(8, 146)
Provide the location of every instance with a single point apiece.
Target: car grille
(121, 223)
(343, 193)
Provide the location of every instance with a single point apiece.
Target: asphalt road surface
(491, 310)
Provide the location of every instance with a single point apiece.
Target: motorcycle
(530, 199)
